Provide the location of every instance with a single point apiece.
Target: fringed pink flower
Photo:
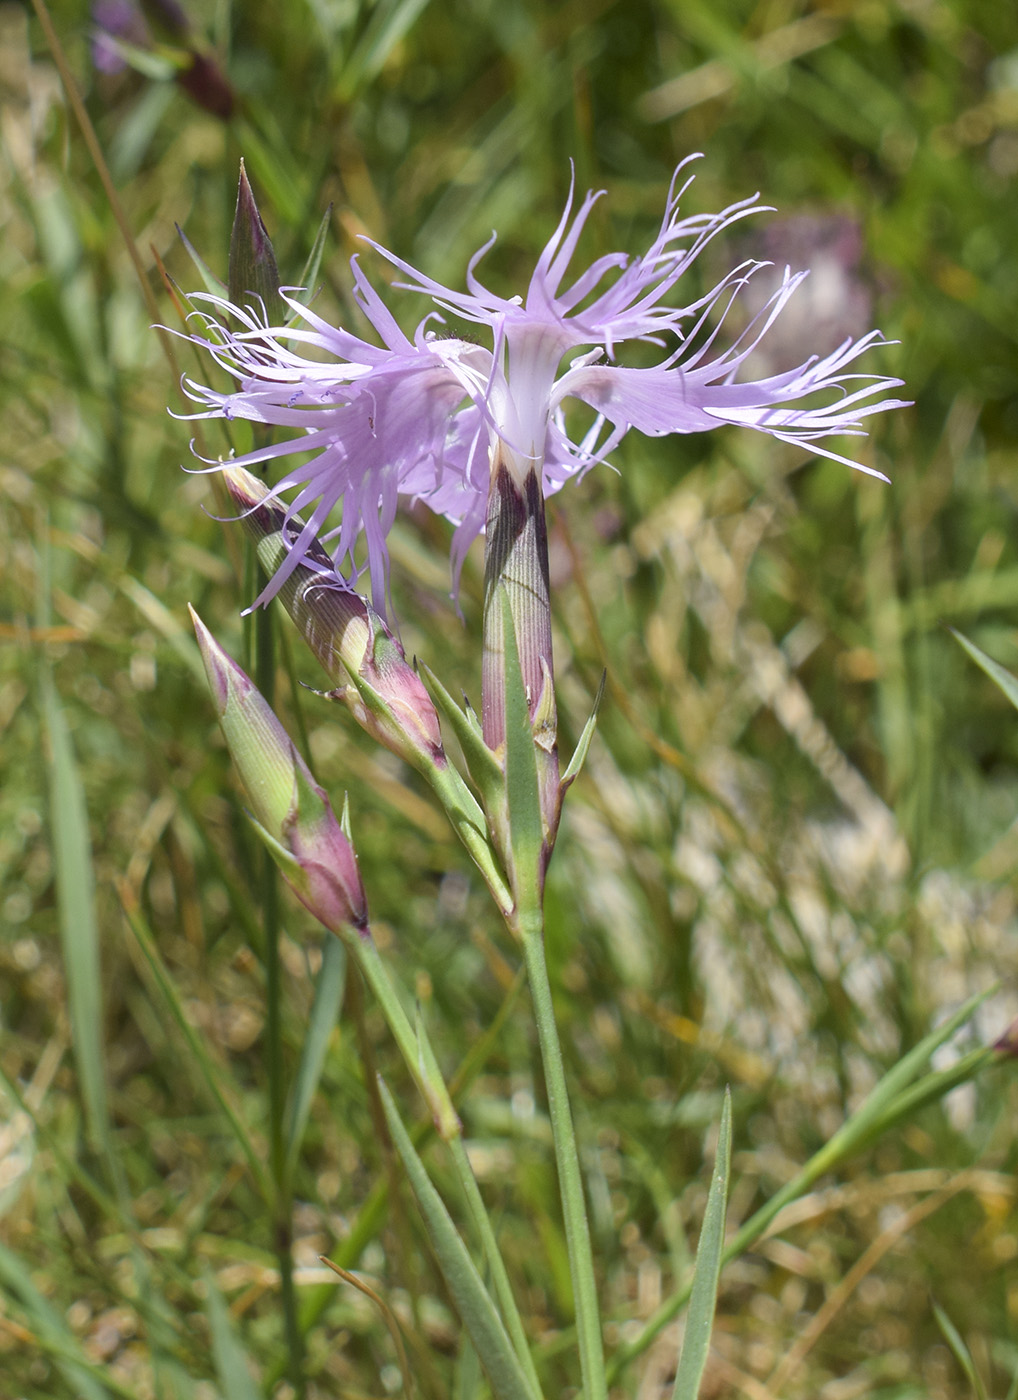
(419, 418)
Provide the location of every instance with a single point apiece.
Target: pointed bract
(253, 276)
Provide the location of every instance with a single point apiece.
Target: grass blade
(79, 928)
(932, 1086)
(1012, 1390)
(469, 1381)
(855, 1133)
(308, 278)
(700, 1318)
(388, 1316)
(213, 284)
(324, 1012)
(229, 1357)
(472, 1299)
(388, 24)
(962, 1355)
(996, 672)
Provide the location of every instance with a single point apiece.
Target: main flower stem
(529, 924)
(525, 820)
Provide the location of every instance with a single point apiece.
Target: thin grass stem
(282, 1201)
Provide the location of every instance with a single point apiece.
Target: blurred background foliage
(793, 849)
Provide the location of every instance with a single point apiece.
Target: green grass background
(792, 849)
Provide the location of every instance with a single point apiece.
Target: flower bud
(386, 695)
(291, 812)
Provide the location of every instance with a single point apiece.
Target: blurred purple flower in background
(422, 418)
(122, 38)
(116, 20)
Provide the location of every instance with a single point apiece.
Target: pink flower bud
(352, 642)
(292, 813)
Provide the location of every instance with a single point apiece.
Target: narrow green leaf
(372, 1213)
(308, 279)
(482, 762)
(213, 284)
(160, 66)
(583, 744)
(962, 1355)
(854, 1133)
(450, 1130)
(472, 1299)
(132, 141)
(700, 1317)
(390, 20)
(898, 1078)
(228, 1355)
(161, 1325)
(171, 1381)
(324, 1013)
(79, 928)
(522, 791)
(430, 1077)
(497, 1272)
(68, 1168)
(996, 672)
(931, 1087)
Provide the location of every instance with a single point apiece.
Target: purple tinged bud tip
(253, 274)
(293, 814)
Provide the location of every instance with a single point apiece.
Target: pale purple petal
(417, 419)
